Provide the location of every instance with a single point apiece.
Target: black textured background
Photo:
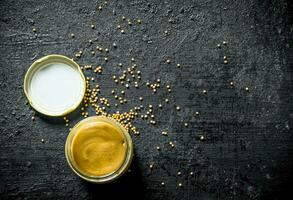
(248, 146)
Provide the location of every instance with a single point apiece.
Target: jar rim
(110, 176)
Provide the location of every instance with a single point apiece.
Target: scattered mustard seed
(164, 133)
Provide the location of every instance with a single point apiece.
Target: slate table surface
(240, 146)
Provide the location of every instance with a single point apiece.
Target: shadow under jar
(99, 149)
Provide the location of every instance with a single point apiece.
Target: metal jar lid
(54, 85)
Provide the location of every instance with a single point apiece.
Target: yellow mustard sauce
(98, 148)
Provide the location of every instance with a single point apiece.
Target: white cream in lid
(55, 88)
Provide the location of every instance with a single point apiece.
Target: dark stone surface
(247, 152)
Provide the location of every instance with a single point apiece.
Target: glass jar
(110, 176)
